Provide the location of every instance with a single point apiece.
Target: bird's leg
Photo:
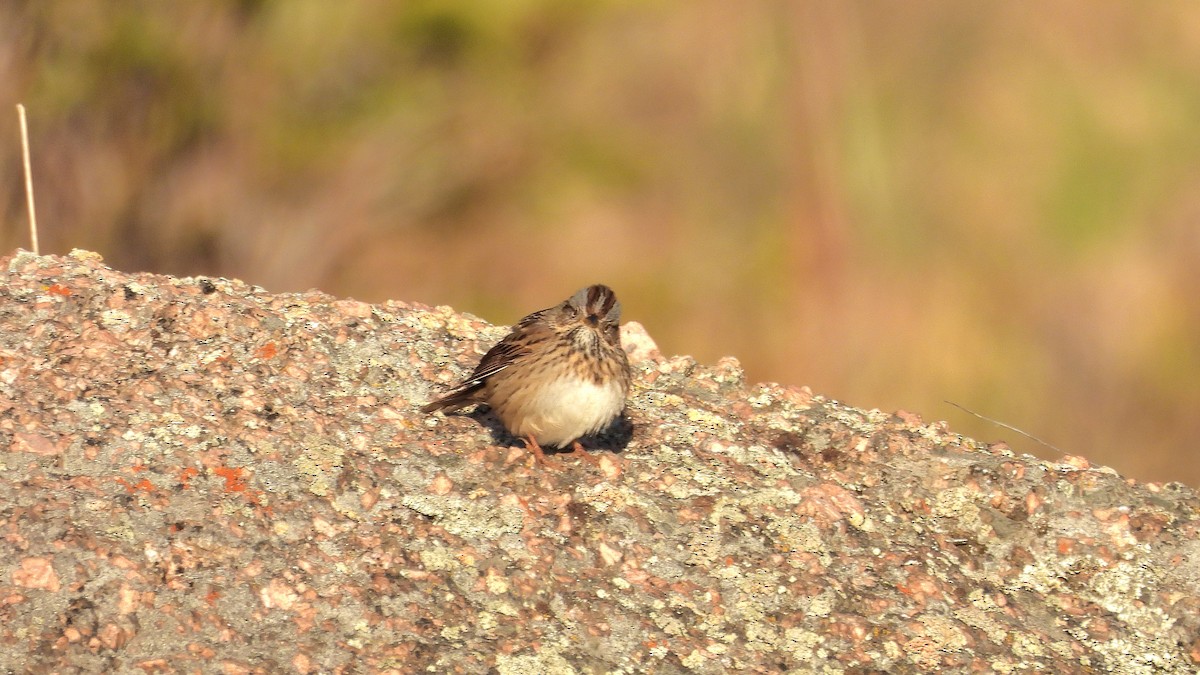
(584, 454)
(532, 444)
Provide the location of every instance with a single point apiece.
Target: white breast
(562, 411)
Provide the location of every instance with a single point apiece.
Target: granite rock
(201, 476)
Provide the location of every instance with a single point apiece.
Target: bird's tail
(455, 400)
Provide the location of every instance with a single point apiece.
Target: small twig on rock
(1007, 426)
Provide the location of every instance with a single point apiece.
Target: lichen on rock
(200, 472)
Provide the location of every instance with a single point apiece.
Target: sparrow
(559, 375)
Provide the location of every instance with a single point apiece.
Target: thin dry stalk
(33, 231)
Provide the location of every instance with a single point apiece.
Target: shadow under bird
(559, 375)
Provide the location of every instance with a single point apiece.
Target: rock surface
(200, 476)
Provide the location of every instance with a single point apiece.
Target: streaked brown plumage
(559, 375)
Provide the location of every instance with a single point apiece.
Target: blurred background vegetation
(898, 204)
